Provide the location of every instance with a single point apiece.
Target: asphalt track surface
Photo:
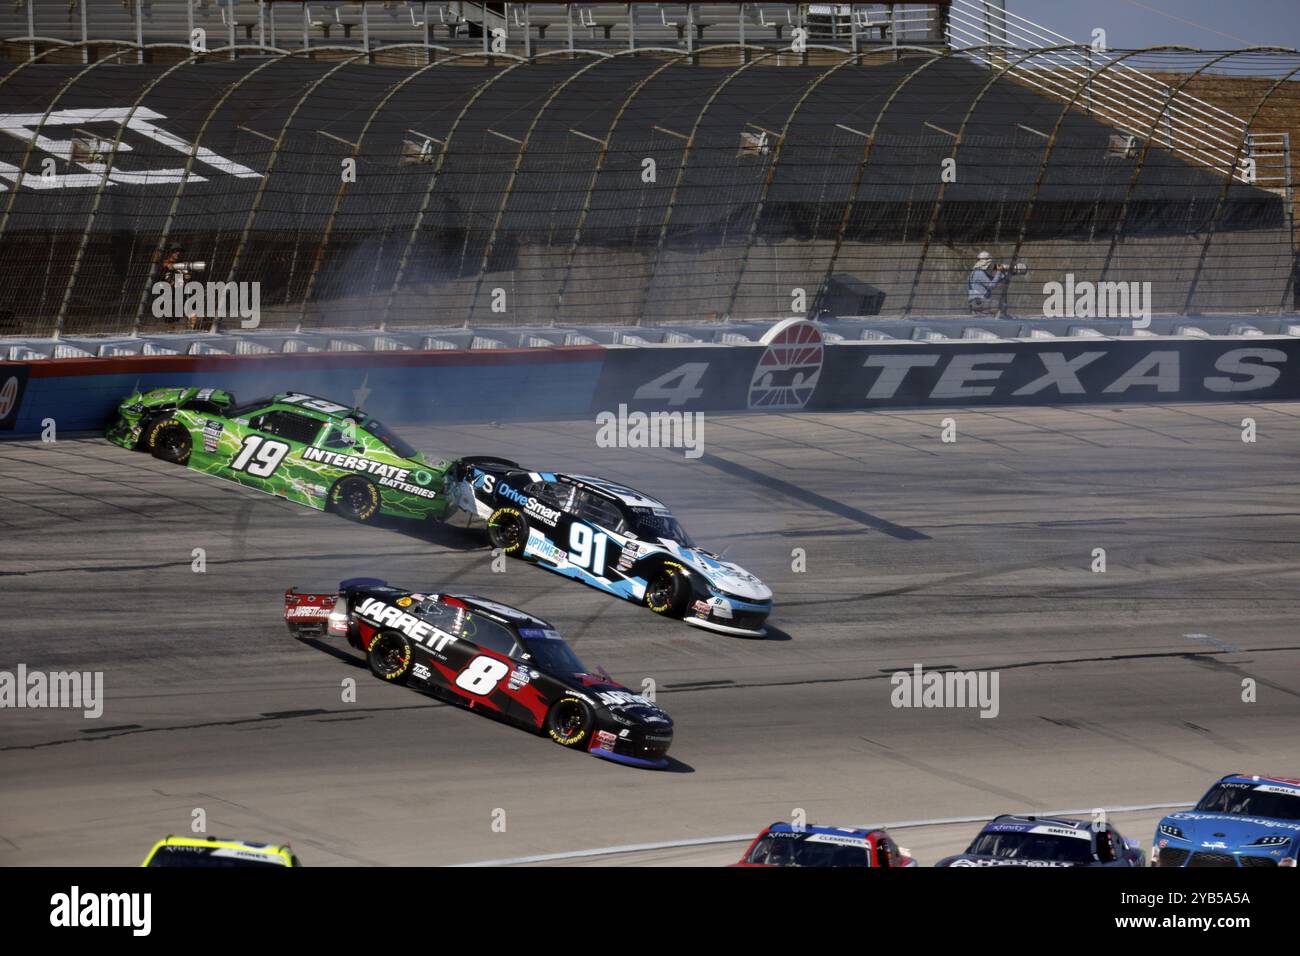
(1117, 689)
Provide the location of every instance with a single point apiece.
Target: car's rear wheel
(508, 530)
(169, 440)
(389, 657)
(668, 591)
(569, 722)
(355, 498)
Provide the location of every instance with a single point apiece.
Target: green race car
(306, 449)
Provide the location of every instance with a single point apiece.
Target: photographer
(982, 282)
(176, 272)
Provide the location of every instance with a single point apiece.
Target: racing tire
(569, 722)
(668, 592)
(389, 657)
(169, 441)
(355, 498)
(142, 440)
(508, 530)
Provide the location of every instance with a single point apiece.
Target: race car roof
(239, 849)
(629, 496)
(344, 413)
(499, 610)
(814, 829)
(1027, 823)
(1289, 782)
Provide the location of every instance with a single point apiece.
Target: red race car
(785, 844)
(486, 656)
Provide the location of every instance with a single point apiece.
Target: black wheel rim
(507, 531)
(355, 499)
(390, 654)
(569, 721)
(661, 591)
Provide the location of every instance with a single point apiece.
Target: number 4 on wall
(687, 378)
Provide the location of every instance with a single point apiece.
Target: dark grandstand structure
(521, 175)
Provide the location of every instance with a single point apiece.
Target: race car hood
(171, 397)
(1215, 831)
(975, 859)
(621, 702)
(723, 575)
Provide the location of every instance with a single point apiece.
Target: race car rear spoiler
(307, 615)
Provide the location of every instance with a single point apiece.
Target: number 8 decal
(481, 674)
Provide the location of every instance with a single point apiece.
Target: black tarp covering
(291, 223)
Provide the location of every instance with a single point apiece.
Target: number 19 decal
(260, 456)
(480, 675)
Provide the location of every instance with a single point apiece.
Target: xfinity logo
(74, 909)
(979, 374)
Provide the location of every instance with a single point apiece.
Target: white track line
(740, 837)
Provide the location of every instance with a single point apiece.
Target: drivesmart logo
(531, 505)
(75, 909)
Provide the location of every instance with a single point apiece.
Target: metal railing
(1271, 153)
(1121, 96)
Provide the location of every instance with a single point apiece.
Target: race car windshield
(1251, 803)
(551, 653)
(239, 411)
(1032, 846)
(649, 525)
(382, 432)
(785, 851)
(201, 857)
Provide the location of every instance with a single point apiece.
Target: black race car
(482, 654)
(1013, 840)
(613, 538)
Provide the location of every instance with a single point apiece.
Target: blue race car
(1013, 840)
(1241, 821)
(613, 538)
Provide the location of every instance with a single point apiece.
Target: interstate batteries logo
(390, 476)
(787, 372)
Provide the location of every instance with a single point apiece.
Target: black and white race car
(489, 657)
(613, 538)
(1032, 841)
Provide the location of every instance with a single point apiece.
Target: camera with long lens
(187, 267)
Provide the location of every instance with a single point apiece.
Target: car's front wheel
(169, 440)
(508, 530)
(355, 498)
(389, 657)
(668, 591)
(569, 722)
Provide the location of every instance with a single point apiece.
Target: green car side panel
(310, 482)
(217, 441)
